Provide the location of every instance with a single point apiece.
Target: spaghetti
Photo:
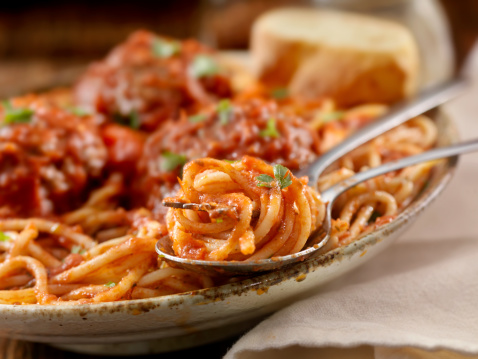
(82, 179)
(254, 219)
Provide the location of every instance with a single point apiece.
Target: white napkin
(417, 299)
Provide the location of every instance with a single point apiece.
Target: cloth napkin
(417, 299)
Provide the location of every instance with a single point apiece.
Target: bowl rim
(264, 281)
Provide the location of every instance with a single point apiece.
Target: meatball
(47, 157)
(149, 79)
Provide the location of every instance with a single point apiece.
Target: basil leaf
(203, 66)
(171, 161)
(271, 130)
(15, 115)
(164, 48)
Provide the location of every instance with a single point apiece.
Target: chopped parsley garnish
(171, 161)
(280, 93)
(77, 250)
(4, 237)
(110, 284)
(281, 175)
(197, 118)
(231, 161)
(165, 48)
(132, 120)
(203, 66)
(219, 220)
(224, 111)
(270, 130)
(15, 115)
(78, 111)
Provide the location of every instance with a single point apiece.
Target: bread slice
(351, 58)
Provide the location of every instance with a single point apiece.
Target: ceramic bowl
(184, 320)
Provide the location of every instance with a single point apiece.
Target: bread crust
(350, 70)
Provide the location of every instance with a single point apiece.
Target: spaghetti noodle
(81, 187)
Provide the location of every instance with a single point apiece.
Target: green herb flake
(171, 161)
(77, 250)
(197, 118)
(264, 181)
(224, 111)
(231, 161)
(280, 93)
(110, 284)
(4, 237)
(270, 130)
(283, 176)
(204, 66)
(165, 48)
(13, 115)
(78, 111)
(132, 120)
(219, 220)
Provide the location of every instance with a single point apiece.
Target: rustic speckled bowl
(184, 320)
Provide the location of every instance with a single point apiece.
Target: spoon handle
(398, 114)
(330, 194)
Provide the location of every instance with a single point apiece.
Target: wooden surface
(463, 16)
(15, 349)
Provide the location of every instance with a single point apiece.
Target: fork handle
(397, 115)
(330, 194)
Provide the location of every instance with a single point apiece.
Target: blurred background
(51, 41)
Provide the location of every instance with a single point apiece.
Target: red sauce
(190, 248)
(125, 147)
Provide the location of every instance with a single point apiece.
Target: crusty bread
(321, 53)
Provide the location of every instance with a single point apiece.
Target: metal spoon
(163, 247)
(397, 115)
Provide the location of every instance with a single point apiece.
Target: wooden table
(15, 349)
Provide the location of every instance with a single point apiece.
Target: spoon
(163, 247)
